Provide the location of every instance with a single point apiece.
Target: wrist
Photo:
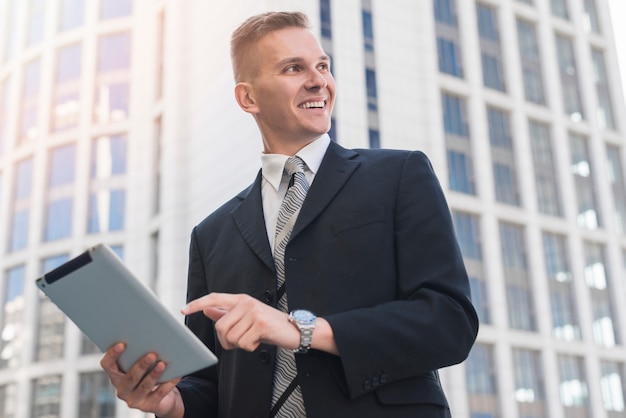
(176, 410)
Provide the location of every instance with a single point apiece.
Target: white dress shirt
(274, 184)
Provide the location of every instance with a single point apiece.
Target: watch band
(305, 322)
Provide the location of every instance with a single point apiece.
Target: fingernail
(159, 367)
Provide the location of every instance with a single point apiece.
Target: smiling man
(333, 285)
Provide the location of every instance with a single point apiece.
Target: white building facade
(118, 125)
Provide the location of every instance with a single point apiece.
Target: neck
(285, 147)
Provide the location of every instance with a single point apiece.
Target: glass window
(573, 386)
(62, 166)
(59, 194)
(374, 138)
(502, 155)
(50, 331)
(603, 90)
(516, 275)
(114, 52)
(448, 38)
(569, 78)
(46, 398)
(460, 178)
(368, 30)
(19, 230)
(36, 21)
(459, 153)
(612, 386)
(565, 324)
(548, 199)
(11, 341)
(618, 187)
(449, 57)
(8, 397)
(97, 396)
(599, 284)
(590, 18)
(21, 205)
(66, 88)
(113, 78)
(110, 9)
(58, 219)
(455, 116)
(487, 23)
(529, 384)
(468, 235)
(372, 91)
(531, 62)
(559, 8)
(29, 126)
(325, 18)
(71, 14)
(24, 179)
(492, 71)
(588, 215)
(481, 381)
(493, 74)
(106, 211)
(445, 12)
(108, 156)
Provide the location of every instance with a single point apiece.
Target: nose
(316, 80)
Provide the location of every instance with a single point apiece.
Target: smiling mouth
(313, 105)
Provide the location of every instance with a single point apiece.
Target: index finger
(109, 360)
(219, 301)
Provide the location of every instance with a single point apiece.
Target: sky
(618, 13)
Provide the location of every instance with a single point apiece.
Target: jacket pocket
(358, 219)
(422, 389)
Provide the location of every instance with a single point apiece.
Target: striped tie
(287, 399)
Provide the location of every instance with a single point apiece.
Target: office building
(118, 125)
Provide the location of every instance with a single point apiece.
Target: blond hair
(251, 31)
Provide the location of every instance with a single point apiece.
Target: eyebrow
(292, 60)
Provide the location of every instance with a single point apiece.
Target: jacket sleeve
(199, 390)
(431, 323)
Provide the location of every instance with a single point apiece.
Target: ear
(245, 99)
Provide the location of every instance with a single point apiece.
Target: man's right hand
(142, 391)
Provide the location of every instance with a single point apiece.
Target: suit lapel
(249, 219)
(336, 168)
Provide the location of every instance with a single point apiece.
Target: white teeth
(309, 105)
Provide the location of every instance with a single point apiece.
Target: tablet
(109, 304)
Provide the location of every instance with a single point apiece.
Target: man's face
(294, 90)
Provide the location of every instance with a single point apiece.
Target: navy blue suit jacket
(373, 252)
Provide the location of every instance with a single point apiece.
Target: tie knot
(294, 165)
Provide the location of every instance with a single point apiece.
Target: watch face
(303, 316)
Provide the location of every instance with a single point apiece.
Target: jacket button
(375, 381)
(383, 379)
(367, 385)
(268, 296)
(264, 356)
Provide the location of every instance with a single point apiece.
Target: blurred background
(117, 124)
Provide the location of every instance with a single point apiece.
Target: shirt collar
(312, 155)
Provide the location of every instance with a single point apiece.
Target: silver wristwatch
(305, 322)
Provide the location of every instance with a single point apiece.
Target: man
(372, 254)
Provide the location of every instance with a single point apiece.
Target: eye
(291, 69)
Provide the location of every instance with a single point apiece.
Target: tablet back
(103, 298)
